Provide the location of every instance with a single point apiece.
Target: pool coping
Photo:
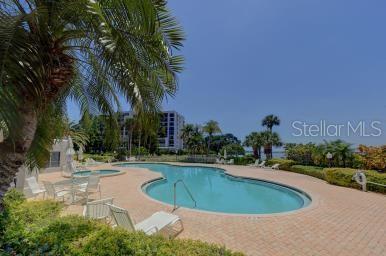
(120, 172)
(314, 199)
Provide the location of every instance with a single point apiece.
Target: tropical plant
(255, 141)
(233, 150)
(128, 128)
(220, 141)
(193, 138)
(300, 153)
(373, 158)
(270, 121)
(78, 135)
(342, 152)
(84, 50)
(270, 139)
(211, 127)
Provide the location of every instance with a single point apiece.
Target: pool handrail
(175, 194)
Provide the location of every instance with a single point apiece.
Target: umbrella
(70, 151)
(80, 153)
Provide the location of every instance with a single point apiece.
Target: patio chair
(92, 186)
(152, 225)
(53, 192)
(218, 161)
(262, 165)
(92, 162)
(231, 161)
(275, 166)
(132, 159)
(255, 164)
(34, 187)
(98, 210)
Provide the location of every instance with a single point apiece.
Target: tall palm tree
(211, 127)
(255, 140)
(270, 121)
(85, 50)
(270, 139)
(129, 125)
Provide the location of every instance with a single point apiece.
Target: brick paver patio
(339, 222)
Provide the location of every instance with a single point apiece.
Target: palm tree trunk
(13, 154)
(209, 141)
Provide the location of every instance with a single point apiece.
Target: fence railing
(209, 159)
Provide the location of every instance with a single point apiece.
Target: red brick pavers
(339, 222)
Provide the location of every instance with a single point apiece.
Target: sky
(305, 61)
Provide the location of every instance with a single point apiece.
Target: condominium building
(171, 125)
(169, 134)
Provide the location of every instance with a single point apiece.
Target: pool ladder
(175, 194)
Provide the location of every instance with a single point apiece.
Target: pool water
(86, 173)
(216, 191)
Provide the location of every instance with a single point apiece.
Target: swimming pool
(216, 191)
(85, 173)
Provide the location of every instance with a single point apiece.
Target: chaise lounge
(152, 225)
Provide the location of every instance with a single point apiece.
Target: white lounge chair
(92, 186)
(92, 162)
(34, 187)
(255, 164)
(231, 161)
(53, 192)
(152, 225)
(275, 166)
(98, 209)
(218, 161)
(262, 165)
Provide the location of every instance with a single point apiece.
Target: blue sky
(303, 60)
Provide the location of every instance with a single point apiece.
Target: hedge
(343, 177)
(111, 242)
(313, 171)
(335, 176)
(285, 164)
(36, 228)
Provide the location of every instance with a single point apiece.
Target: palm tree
(341, 150)
(270, 121)
(192, 136)
(84, 50)
(255, 141)
(186, 133)
(211, 127)
(270, 139)
(129, 127)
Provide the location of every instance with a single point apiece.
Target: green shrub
(313, 171)
(106, 157)
(35, 228)
(120, 242)
(23, 219)
(245, 160)
(56, 237)
(343, 177)
(285, 164)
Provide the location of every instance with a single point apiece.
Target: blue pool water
(216, 191)
(99, 172)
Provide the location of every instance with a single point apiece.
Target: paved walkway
(339, 222)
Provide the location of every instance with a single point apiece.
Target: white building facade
(169, 137)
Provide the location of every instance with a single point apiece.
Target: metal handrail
(175, 194)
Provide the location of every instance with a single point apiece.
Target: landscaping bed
(36, 228)
(335, 176)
